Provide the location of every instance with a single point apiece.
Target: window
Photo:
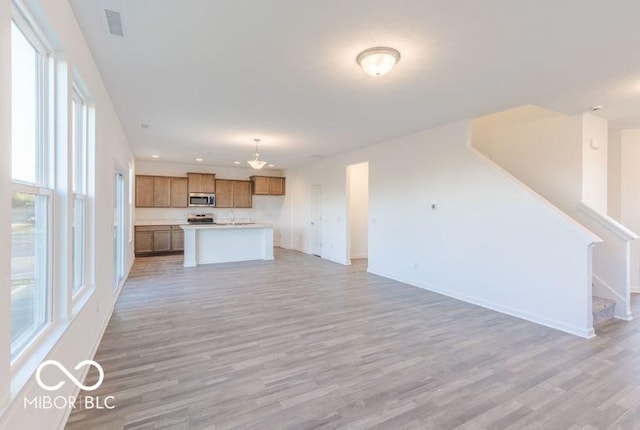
(31, 192)
(79, 146)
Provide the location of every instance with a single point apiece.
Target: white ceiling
(210, 77)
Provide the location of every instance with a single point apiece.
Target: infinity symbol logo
(69, 375)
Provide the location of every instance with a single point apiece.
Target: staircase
(602, 310)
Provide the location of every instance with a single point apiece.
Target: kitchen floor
(302, 343)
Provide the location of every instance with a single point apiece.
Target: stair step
(602, 309)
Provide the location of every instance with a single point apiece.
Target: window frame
(80, 182)
(43, 185)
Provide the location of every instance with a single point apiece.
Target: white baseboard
(635, 290)
(586, 333)
(358, 256)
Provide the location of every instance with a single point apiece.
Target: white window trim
(44, 170)
(81, 192)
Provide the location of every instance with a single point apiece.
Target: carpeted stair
(602, 309)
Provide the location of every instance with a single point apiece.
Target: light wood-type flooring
(303, 343)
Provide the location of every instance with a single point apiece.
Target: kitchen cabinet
(233, 194)
(177, 238)
(144, 191)
(143, 241)
(224, 195)
(268, 185)
(161, 192)
(179, 192)
(202, 182)
(242, 194)
(162, 239)
(158, 239)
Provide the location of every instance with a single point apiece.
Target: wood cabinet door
(144, 191)
(276, 186)
(195, 182)
(260, 185)
(208, 183)
(161, 240)
(224, 193)
(143, 242)
(161, 192)
(242, 194)
(179, 192)
(177, 239)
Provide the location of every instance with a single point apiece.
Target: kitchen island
(223, 243)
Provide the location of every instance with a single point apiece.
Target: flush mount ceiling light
(256, 163)
(378, 61)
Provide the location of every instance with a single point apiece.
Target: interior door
(316, 220)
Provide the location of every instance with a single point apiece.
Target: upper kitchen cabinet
(268, 185)
(161, 192)
(233, 194)
(242, 194)
(179, 193)
(224, 196)
(144, 191)
(202, 182)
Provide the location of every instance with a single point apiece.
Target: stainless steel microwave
(202, 200)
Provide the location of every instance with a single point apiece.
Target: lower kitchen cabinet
(158, 239)
(177, 238)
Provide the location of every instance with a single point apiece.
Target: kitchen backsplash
(265, 209)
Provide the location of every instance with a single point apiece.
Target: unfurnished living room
(245, 214)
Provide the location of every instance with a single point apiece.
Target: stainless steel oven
(202, 200)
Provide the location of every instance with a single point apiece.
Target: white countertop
(224, 226)
(161, 222)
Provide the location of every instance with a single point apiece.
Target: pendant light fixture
(378, 61)
(256, 163)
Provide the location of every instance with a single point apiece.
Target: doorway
(118, 230)
(316, 220)
(358, 211)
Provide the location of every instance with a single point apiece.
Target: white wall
(490, 241)
(594, 162)
(358, 186)
(614, 166)
(266, 209)
(541, 148)
(77, 339)
(564, 158)
(630, 194)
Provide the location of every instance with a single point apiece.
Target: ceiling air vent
(114, 22)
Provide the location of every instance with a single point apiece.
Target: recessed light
(236, 162)
(272, 165)
(155, 156)
(144, 125)
(198, 159)
(596, 107)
